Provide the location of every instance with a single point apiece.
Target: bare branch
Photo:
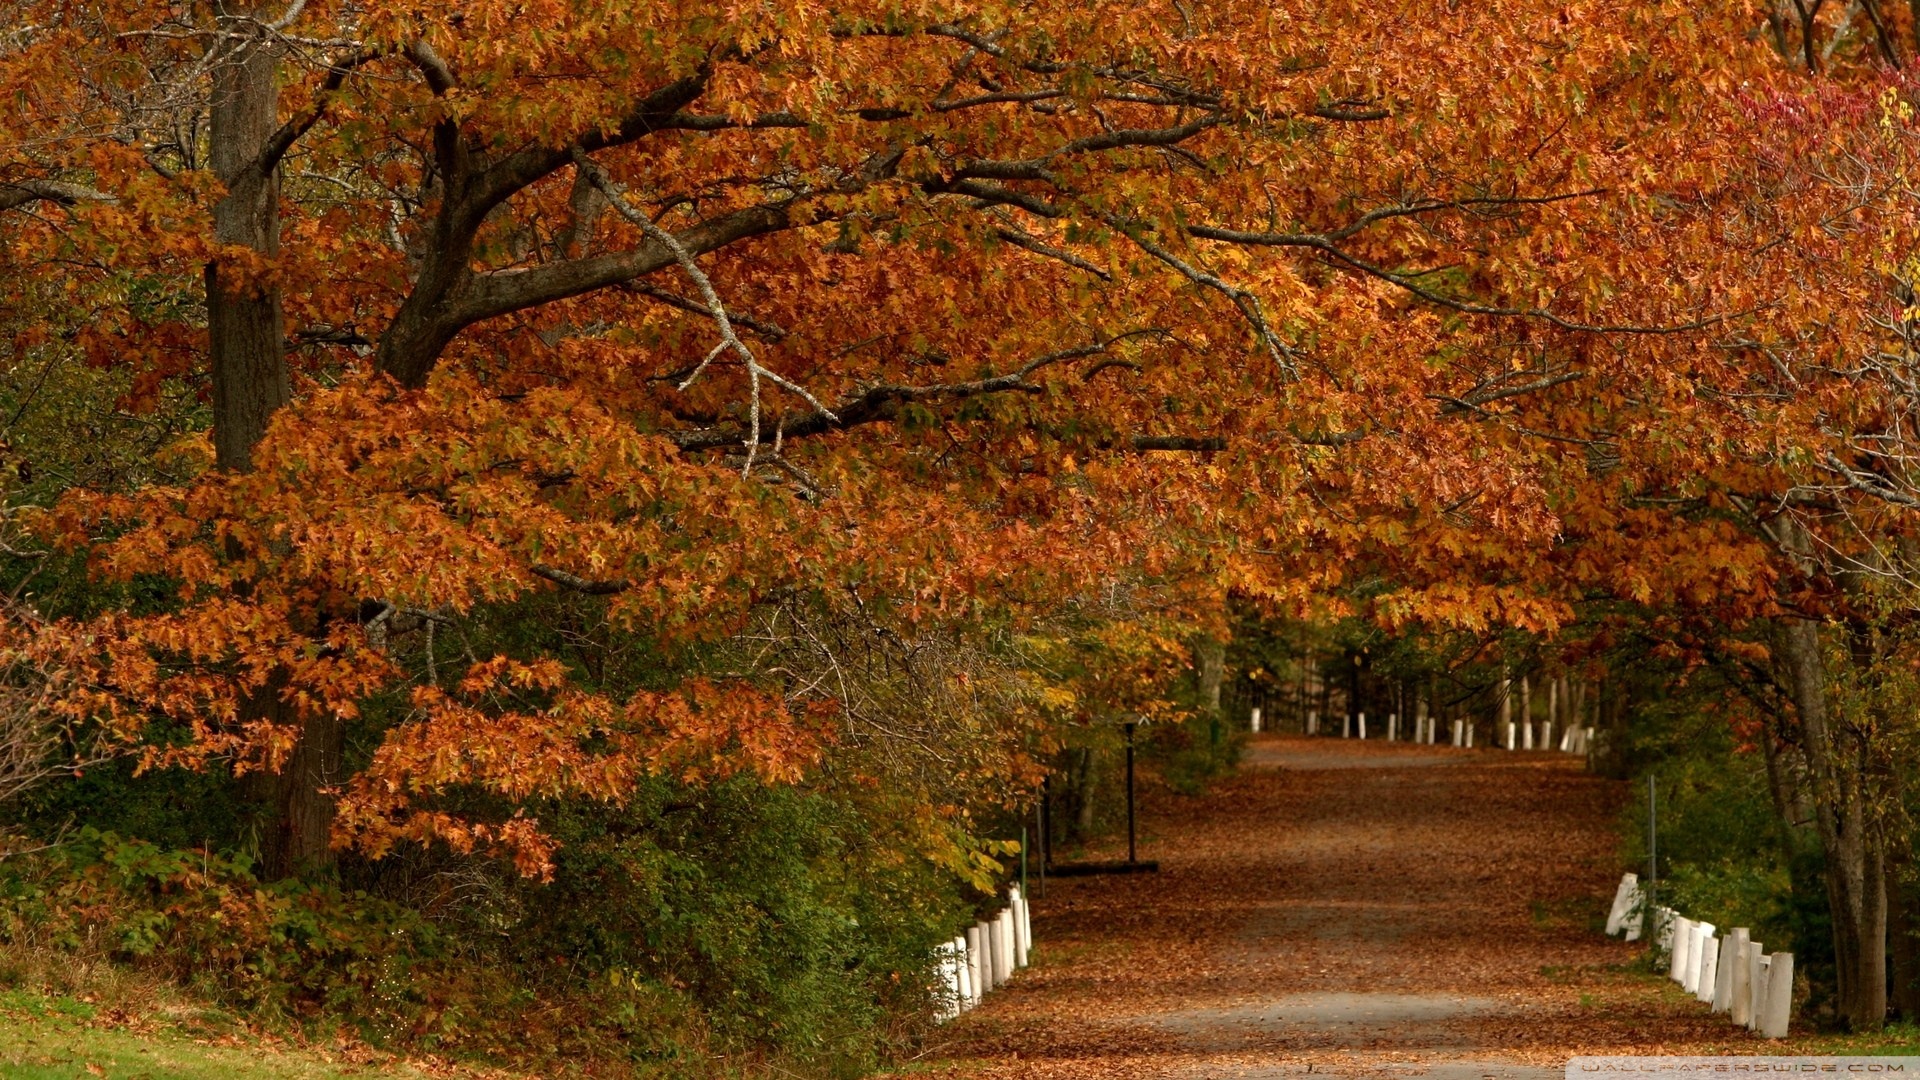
(730, 341)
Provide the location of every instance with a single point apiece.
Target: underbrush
(737, 930)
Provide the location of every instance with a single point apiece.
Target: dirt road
(1342, 908)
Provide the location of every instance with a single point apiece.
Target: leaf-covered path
(1347, 909)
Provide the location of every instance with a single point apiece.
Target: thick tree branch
(1023, 240)
(590, 586)
(710, 298)
(492, 295)
(1486, 394)
(19, 193)
(1182, 443)
(1870, 483)
(657, 111)
(1326, 245)
(1245, 302)
(881, 402)
(283, 140)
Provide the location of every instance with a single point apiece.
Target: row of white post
(985, 956)
(1573, 740)
(1425, 728)
(1732, 973)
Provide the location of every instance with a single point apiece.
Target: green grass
(1893, 1039)
(56, 1038)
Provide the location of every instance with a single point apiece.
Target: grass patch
(1900, 1039)
(62, 1038)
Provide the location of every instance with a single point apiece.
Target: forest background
(602, 520)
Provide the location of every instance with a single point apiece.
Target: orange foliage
(1283, 298)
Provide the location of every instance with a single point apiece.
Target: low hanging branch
(729, 341)
(590, 586)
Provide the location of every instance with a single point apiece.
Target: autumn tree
(686, 312)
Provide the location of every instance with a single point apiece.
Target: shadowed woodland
(589, 539)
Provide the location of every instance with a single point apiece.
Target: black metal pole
(1131, 856)
(1046, 825)
(1040, 815)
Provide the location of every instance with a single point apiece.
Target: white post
(977, 962)
(1723, 974)
(1664, 926)
(1682, 942)
(1026, 928)
(1746, 1004)
(957, 973)
(962, 973)
(1526, 735)
(1393, 727)
(1008, 944)
(1697, 947)
(1313, 721)
(1363, 725)
(1508, 736)
(1740, 996)
(1773, 1024)
(1546, 734)
(1623, 897)
(1017, 903)
(1457, 726)
(991, 932)
(1760, 972)
(1255, 722)
(1709, 975)
(1470, 728)
(949, 1006)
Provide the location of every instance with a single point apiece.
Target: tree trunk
(1308, 701)
(246, 337)
(245, 328)
(1856, 878)
(1085, 777)
(1211, 658)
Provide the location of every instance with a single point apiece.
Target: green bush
(795, 921)
(288, 948)
(733, 922)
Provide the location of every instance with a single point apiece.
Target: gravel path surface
(1333, 910)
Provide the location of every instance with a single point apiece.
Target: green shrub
(290, 947)
(733, 922)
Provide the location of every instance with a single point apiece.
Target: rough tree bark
(1086, 774)
(246, 334)
(1840, 772)
(245, 328)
